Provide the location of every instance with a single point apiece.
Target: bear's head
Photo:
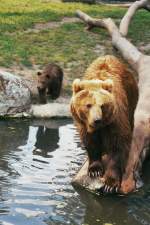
(92, 104)
(43, 80)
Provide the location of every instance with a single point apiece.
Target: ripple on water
(41, 187)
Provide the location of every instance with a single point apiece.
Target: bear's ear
(108, 85)
(39, 73)
(76, 86)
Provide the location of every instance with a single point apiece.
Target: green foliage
(140, 27)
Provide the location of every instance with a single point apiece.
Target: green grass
(140, 27)
(20, 15)
(65, 44)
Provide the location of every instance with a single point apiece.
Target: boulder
(14, 94)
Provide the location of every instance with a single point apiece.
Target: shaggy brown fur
(103, 114)
(49, 82)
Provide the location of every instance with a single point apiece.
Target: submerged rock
(14, 94)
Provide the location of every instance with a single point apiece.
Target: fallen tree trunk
(138, 61)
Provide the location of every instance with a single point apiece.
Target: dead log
(138, 61)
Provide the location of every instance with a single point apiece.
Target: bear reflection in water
(46, 140)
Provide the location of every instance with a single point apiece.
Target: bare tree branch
(128, 50)
(124, 25)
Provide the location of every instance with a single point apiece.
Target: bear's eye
(89, 106)
(47, 76)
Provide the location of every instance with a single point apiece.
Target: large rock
(14, 94)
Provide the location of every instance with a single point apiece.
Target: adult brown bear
(49, 82)
(102, 106)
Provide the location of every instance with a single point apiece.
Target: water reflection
(37, 162)
(46, 140)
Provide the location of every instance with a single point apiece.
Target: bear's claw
(109, 189)
(95, 169)
(94, 174)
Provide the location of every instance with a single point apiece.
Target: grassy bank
(68, 44)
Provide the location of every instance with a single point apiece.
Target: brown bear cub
(49, 82)
(102, 106)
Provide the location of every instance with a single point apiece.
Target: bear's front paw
(111, 181)
(95, 169)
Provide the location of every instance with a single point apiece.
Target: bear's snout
(41, 84)
(97, 122)
(95, 116)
